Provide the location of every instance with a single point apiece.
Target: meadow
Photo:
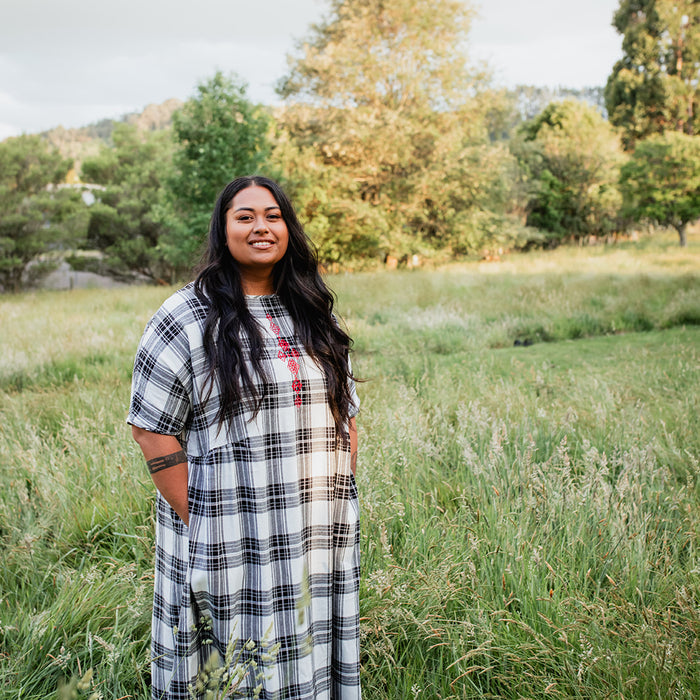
(529, 479)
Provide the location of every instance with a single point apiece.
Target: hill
(84, 142)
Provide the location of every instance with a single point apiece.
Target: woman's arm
(353, 445)
(167, 463)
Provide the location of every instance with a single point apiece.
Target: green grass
(530, 512)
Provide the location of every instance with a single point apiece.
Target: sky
(74, 62)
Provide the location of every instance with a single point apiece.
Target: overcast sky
(73, 62)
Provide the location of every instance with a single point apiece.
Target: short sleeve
(161, 385)
(354, 398)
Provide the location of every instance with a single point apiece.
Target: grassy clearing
(530, 514)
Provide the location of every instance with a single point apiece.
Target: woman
(244, 405)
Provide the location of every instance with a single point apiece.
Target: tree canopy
(386, 130)
(661, 182)
(401, 55)
(125, 221)
(35, 215)
(219, 135)
(654, 87)
(571, 157)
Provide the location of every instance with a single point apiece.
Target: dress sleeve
(161, 386)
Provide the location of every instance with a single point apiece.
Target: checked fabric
(269, 565)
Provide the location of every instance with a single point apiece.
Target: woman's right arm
(167, 464)
(353, 445)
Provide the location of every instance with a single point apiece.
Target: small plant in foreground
(77, 688)
(216, 681)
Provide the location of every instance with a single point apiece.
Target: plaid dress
(269, 565)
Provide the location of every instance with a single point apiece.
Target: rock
(64, 277)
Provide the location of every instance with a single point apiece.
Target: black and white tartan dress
(271, 554)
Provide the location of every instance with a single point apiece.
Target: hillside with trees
(85, 142)
(394, 145)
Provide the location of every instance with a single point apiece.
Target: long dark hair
(299, 287)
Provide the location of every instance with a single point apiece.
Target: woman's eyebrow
(252, 209)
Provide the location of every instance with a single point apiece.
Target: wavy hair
(300, 288)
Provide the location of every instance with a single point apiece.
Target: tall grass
(530, 512)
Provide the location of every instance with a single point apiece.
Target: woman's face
(256, 237)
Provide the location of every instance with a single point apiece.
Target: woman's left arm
(353, 445)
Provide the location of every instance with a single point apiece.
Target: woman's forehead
(254, 197)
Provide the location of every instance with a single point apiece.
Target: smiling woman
(244, 405)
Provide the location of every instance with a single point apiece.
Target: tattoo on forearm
(159, 463)
(353, 461)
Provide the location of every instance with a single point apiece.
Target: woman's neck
(254, 286)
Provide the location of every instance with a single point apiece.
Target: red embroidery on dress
(289, 355)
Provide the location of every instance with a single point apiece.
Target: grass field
(530, 511)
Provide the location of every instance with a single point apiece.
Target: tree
(571, 157)
(35, 215)
(661, 182)
(219, 135)
(124, 222)
(384, 134)
(654, 87)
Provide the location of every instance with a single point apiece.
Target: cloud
(61, 62)
(72, 25)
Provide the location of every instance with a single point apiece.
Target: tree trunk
(681, 234)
